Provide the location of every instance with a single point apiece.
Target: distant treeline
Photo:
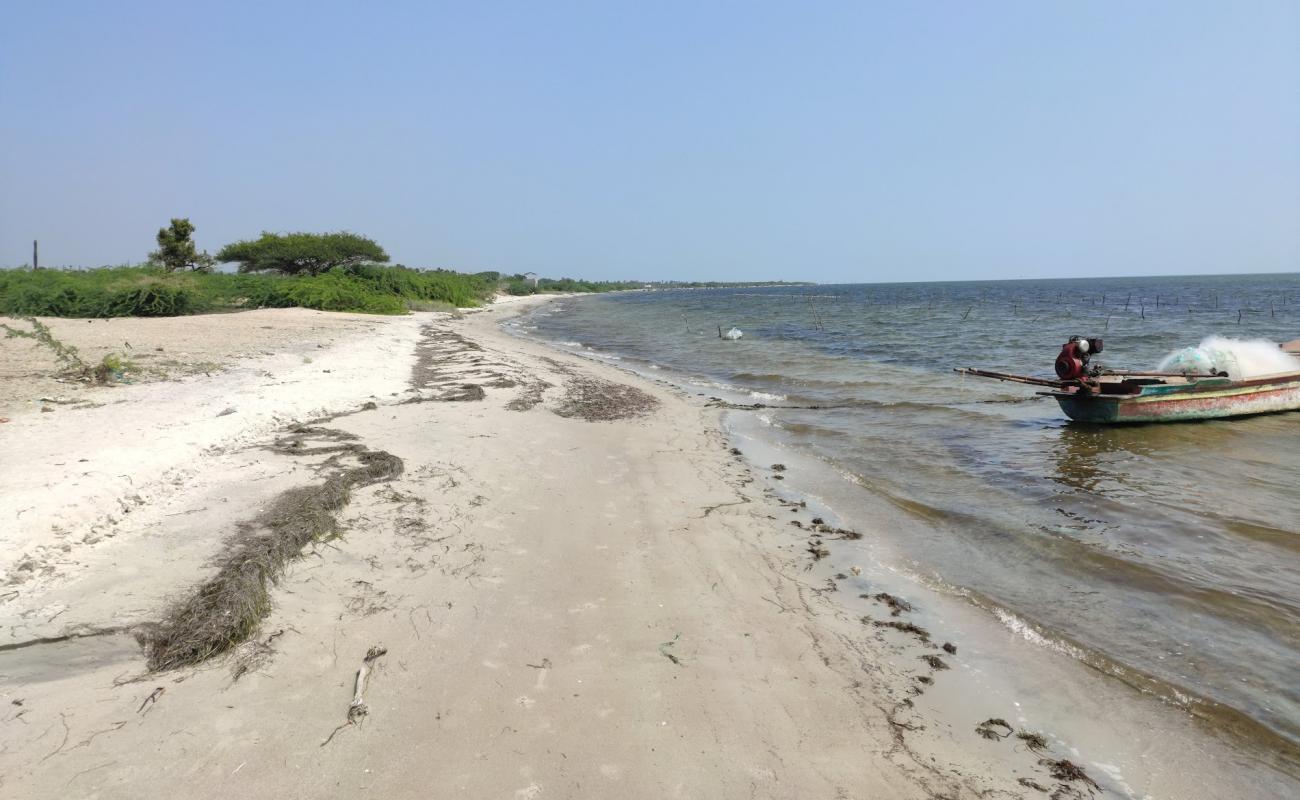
(518, 284)
(330, 271)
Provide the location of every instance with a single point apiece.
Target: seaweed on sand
(665, 650)
(1065, 770)
(905, 627)
(530, 396)
(934, 661)
(840, 533)
(596, 400)
(989, 729)
(465, 392)
(897, 605)
(227, 608)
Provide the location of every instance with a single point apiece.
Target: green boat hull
(1213, 398)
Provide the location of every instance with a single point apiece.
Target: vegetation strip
(338, 271)
(228, 608)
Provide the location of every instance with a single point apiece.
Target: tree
(176, 249)
(309, 253)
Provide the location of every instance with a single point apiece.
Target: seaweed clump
(595, 400)
(989, 729)
(1068, 771)
(897, 605)
(905, 627)
(227, 609)
(934, 661)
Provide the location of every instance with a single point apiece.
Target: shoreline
(1186, 723)
(579, 587)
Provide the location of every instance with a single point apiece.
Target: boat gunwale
(1181, 391)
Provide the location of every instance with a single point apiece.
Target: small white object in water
(733, 334)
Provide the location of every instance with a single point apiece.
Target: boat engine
(1072, 363)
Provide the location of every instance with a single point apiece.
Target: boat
(1096, 395)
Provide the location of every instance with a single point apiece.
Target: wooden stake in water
(36, 255)
(816, 319)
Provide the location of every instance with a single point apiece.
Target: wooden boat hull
(1207, 399)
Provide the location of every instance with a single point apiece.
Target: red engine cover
(1070, 363)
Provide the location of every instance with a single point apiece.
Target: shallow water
(1167, 555)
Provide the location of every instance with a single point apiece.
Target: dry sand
(579, 590)
(162, 348)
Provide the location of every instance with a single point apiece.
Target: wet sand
(574, 587)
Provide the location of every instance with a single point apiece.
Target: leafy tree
(306, 253)
(176, 249)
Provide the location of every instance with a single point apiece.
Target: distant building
(531, 278)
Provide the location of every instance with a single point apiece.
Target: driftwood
(358, 709)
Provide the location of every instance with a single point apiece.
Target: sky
(835, 142)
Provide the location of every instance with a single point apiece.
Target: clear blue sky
(705, 140)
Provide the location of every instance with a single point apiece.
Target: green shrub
(110, 292)
(152, 292)
(337, 291)
(436, 285)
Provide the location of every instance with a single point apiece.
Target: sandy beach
(569, 585)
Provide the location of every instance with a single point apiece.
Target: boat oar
(1005, 376)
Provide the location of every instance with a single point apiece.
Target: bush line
(152, 292)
